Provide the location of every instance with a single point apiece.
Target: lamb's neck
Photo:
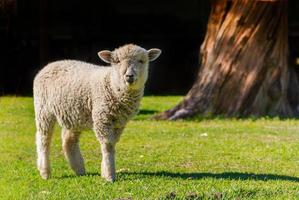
(134, 95)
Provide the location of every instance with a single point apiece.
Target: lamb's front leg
(108, 161)
(107, 136)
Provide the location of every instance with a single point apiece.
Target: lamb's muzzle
(130, 78)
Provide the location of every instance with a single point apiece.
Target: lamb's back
(65, 71)
(64, 89)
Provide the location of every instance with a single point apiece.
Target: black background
(33, 33)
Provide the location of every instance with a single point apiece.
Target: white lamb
(80, 96)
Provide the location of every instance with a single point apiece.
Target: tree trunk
(244, 64)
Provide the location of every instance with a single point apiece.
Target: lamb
(81, 96)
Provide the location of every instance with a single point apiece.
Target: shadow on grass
(196, 176)
(74, 176)
(239, 118)
(147, 112)
(224, 175)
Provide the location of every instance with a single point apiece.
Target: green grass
(203, 159)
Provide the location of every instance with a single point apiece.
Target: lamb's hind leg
(70, 145)
(43, 140)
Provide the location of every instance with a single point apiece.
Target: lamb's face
(131, 63)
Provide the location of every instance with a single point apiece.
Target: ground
(213, 158)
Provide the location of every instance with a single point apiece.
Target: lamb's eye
(116, 61)
(141, 61)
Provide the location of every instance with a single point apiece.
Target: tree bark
(244, 64)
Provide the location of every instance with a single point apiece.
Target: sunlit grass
(204, 159)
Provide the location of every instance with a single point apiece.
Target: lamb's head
(130, 62)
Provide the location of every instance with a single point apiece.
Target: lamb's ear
(153, 54)
(105, 55)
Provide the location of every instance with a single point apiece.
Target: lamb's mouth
(130, 80)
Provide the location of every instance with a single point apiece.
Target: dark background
(33, 33)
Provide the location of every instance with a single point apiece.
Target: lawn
(194, 159)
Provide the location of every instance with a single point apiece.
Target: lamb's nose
(129, 75)
(130, 78)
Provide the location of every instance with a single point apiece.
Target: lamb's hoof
(109, 178)
(80, 172)
(45, 175)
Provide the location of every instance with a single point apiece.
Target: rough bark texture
(244, 64)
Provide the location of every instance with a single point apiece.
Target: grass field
(194, 159)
